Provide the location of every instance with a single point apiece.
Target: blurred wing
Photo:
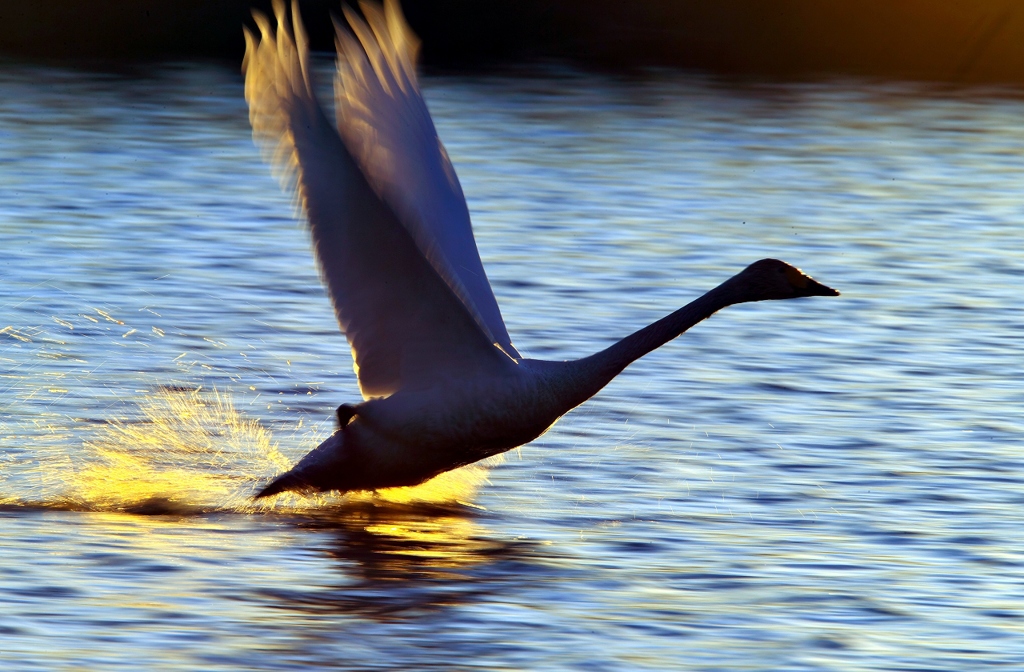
(405, 325)
(384, 122)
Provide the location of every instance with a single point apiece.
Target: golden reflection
(400, 554)
(446, 541)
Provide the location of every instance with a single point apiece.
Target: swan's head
(770, 279)
(326, 467)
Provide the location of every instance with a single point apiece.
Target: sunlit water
(826, 484)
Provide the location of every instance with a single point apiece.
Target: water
(825, 484)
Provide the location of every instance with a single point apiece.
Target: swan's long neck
(593, 373)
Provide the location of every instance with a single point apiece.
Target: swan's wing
(384, 122)
(405, 325)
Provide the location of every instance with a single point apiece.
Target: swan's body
(443, 384)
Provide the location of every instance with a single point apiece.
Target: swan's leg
(345, 413)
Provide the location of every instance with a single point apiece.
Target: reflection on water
(399, 561)
(827, 485)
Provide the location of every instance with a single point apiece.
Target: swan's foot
(345, 413)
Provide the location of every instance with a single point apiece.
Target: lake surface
(824, 484)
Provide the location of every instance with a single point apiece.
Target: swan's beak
(800, 283)
(815, 288)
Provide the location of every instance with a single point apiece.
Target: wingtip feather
(278, 87)
(404, 37)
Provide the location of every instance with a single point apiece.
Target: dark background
(942, 40)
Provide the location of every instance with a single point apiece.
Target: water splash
(191, 451)
(86, 435)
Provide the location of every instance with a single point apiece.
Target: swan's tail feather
(323, 468)
(283, 483)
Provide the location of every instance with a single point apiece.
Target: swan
(441, 382)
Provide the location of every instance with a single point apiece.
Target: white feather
(406, 325)
(384, 122)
